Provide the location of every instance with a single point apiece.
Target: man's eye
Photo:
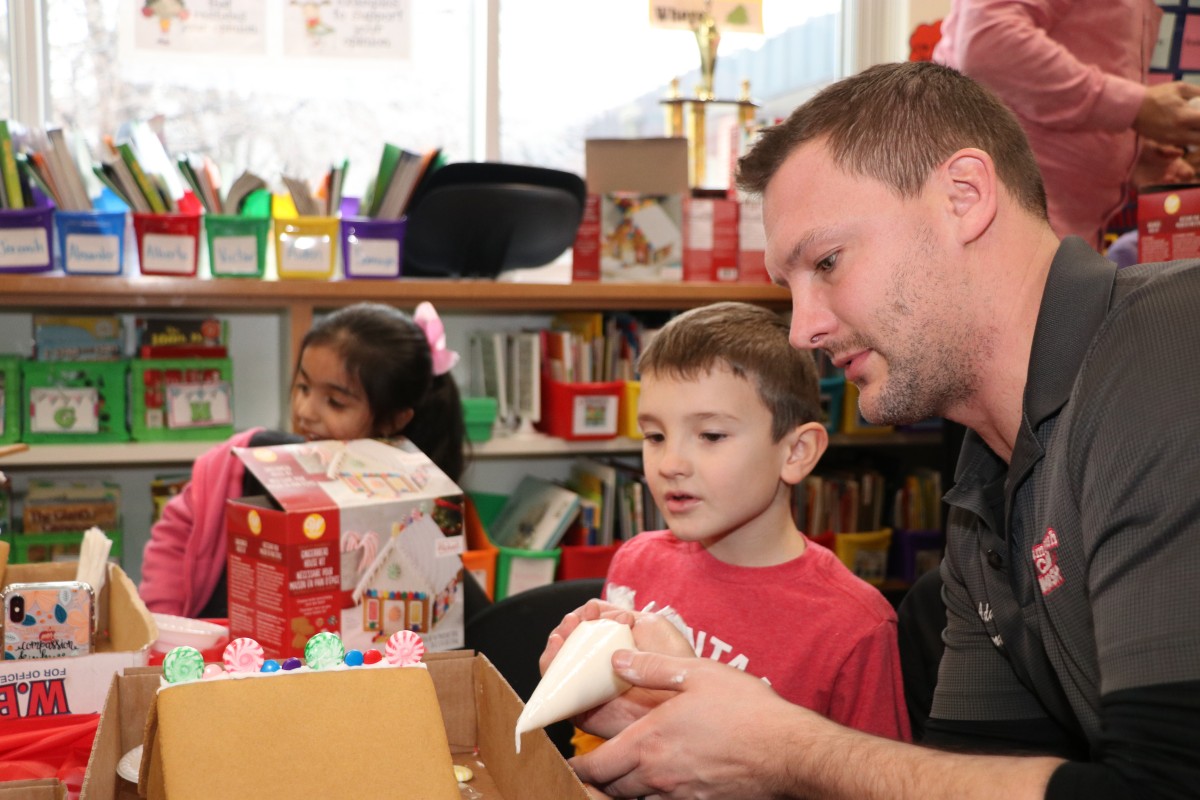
(827, 263)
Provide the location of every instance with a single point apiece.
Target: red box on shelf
(581, 411)
(168, 244)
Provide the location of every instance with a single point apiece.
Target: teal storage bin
(833, 390)
(479, 414)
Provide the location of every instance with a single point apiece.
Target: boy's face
(710, 461)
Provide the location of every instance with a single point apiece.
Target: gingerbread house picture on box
(411, 583)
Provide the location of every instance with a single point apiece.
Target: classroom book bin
(372, 248)
(915, 552)
(479, 416)
(10, 399)
(581, 411)
(865, 553)
(91, 242)
(237, 245)
(306, 247)
(832, 389)
(168, 244)
(32, 548)
(69, 402)
(25, 243)
(181, 399)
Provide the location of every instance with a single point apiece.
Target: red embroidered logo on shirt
(1049, 575)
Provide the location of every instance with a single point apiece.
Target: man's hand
(721, 733)
(651, 633)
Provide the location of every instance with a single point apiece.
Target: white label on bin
(528, 573)
(64, 410)
(170, 253)
(198, 405)
(375, 258)
(305, 253)
(24, 247)
(235, 255)
(595, 415)
(93, 254)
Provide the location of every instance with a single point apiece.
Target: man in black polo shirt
(905, 213)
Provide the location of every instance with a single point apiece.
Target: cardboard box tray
(479, 711)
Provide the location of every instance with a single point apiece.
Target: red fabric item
(47, 747)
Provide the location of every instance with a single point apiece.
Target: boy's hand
(651, 633)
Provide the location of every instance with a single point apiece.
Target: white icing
(226, 675)
(580, 677)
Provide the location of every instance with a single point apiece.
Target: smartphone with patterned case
(47, 619)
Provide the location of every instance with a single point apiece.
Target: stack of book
(202, 174)
(47, 160)
(400, 172)
(138, 170)
(326, 201)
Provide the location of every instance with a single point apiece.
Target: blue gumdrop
(354, 658)
(292, 663)
(270, 665)
(60, 614)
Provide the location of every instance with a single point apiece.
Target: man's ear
(968, 181)
(806, 445)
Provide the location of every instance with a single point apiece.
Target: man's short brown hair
(753, 343)
(896, 123)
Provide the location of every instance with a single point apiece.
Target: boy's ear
(806, 445)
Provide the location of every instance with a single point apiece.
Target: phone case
(47, 620)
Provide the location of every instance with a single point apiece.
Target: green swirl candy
(183, 663)
(324, 650)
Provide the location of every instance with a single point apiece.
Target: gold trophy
(709, 39)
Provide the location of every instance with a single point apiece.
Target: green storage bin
(10, 399)
(30, 548)
(64, 402)
(181, 399)
(479, 414)
(518, 570)
(237, 245)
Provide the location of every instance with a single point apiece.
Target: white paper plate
(174, 631)
(128, 766)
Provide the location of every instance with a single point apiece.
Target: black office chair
(512, 633)
(478, 218)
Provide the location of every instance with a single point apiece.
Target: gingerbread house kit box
(361, 538)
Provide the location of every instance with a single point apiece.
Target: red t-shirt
(823, 638)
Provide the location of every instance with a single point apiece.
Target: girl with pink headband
(364, 371)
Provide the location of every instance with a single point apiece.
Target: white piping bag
(580, 677)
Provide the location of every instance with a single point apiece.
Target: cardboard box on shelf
(361, 538)
(478, 711)
(1168, 222)
(53, 686)
(632, 227)
(710, 251)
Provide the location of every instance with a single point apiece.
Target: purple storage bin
(915, 552)
(25, 239)
(372, 248)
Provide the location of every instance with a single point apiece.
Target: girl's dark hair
(387, 352)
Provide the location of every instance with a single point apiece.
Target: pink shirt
(1073, 71)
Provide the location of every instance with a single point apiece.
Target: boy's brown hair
(753, 343)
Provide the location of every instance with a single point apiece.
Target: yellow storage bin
(627, 415)
(866, 554)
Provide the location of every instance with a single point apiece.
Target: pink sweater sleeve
(183, 560)
(1008, 46)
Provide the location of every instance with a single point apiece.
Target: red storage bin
(585, 561)
(168, 244)
(581, 411)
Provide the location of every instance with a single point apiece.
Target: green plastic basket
(10, 399)
(25, 545)
(60, 388)
(149, 419)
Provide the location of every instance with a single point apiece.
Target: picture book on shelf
(536, 515)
